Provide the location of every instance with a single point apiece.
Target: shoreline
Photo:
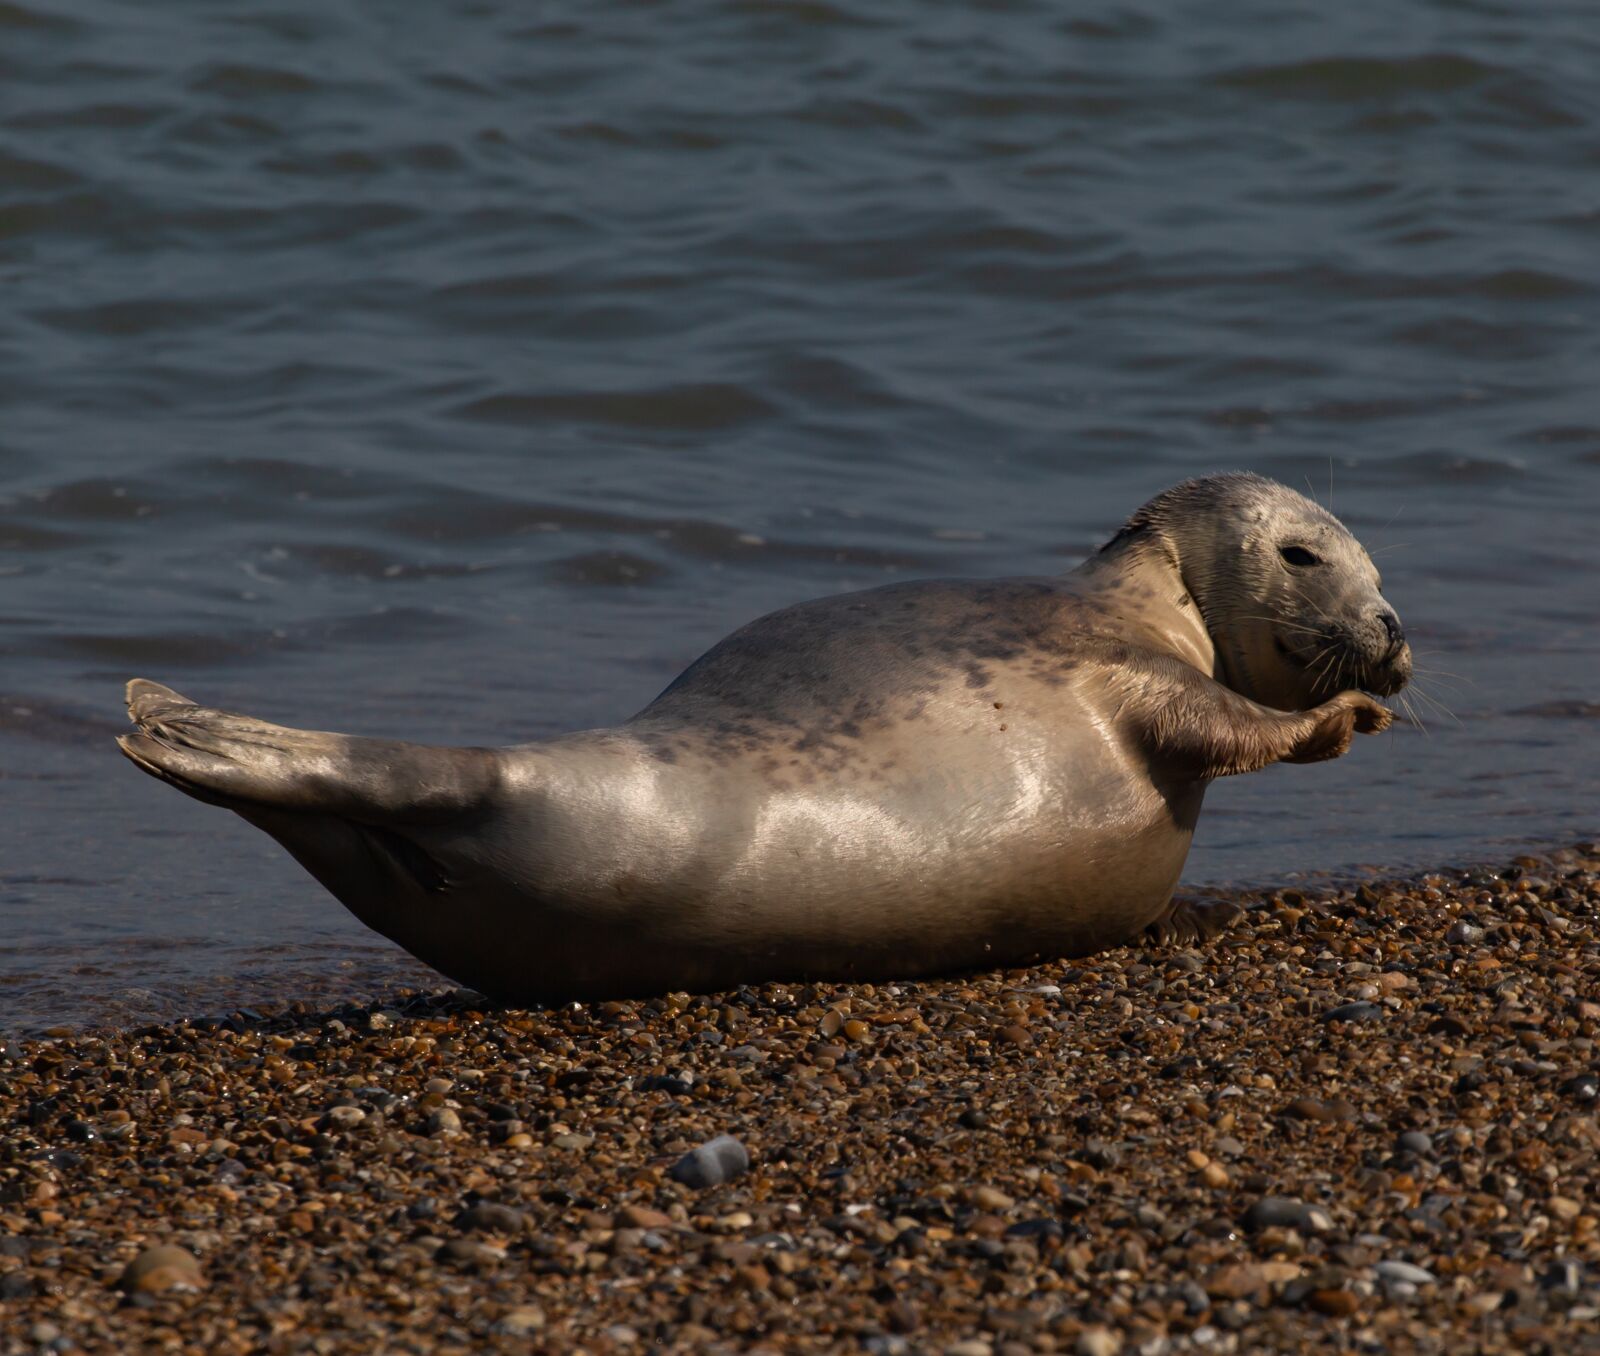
(1364, 1118)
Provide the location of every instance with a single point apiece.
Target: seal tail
(237, 761)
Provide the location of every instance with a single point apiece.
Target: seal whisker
(1435, 703)
(1445, 673)
(1412, 715)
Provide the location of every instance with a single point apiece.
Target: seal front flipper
(1196, 729)
(237, 761)
(1336, 722)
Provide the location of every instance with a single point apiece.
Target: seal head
(1293, 603)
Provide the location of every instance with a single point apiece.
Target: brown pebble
(164, 1267)
(990, 1198)
(1338, 1303)
(643, 1217)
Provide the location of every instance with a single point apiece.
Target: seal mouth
(1340, 664)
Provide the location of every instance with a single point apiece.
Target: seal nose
(1395, 632)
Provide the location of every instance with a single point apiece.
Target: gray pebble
(1564, 1274)
(1354, 1012)
(1403, 1271)
(1281, 1212)
(491, 1217)
(1463, 934)
(1415, 1142)
(1584, 1088)
(711, 1164)
(444, 1121)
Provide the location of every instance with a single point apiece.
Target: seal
(910, 780)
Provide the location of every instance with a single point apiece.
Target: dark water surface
(461, 371)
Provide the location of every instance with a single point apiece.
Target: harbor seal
(909, 780)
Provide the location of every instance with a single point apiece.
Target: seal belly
(960, 861)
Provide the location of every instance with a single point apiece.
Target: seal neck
(1154, 593)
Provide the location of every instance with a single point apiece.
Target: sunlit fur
(920, 777)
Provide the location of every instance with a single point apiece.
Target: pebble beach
(1362, 1120)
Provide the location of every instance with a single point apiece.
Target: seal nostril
(1393, 629)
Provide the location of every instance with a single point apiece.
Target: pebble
(491, 1217)
(573, 1141)
(711, 1164)
(1583, 1088)
(1461, 1145)
(1097, 1342)
(1325, 1113)
(1336, 1303)
(1354, 1012)
(164, 1267)
(522, 1321)
(444, 1121)
(1565, 1275)
(1282, 1212)
(1403, 1271)
(642, 1217)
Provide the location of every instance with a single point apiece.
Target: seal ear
(1195, 729)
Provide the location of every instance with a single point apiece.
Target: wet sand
(1362, 1121)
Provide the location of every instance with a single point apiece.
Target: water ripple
(473, 373)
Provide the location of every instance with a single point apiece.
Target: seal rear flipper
(233, 760)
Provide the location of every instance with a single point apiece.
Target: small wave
(98, 500)
(654, 137)
(1362, 77)
(138, 316)
(19, 174)
(1466, 336)
(1561, 710)
(52, 721)
(446, 515)
(208, 649)
(235, 80)
(116, 117)
(699, 408)
(1432, 467)
(607, 569)
(813, 13)
(360, 562)
(21, 18)
(33, 537)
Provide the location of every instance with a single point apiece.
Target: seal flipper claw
(1187, 921)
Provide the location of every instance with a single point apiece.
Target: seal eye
(1298, 555)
